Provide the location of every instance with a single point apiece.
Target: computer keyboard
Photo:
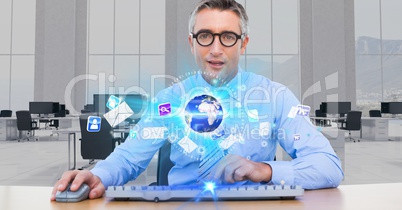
(185, 193)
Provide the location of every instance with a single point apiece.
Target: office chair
(164, 165)
(375, 113)
(352, 123)
(96, 145)
(6, 113)
(25, 123)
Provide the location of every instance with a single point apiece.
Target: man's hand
(234, 168)
(77, 178)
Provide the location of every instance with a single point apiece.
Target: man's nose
(216, 46)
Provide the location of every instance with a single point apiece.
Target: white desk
(380, 128)
(64, 122)
(8, 128)
(325, 119)
(345, 197)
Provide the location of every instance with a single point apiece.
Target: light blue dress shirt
(258, 113)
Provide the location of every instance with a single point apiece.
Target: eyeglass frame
(195, 36)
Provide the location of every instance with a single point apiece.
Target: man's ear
(190, 41)
(244, 44)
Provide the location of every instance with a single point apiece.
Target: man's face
(219, 61)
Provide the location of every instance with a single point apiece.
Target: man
(251, 114)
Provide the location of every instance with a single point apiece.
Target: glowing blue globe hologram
(203, 113)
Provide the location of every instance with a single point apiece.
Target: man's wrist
(267, 171)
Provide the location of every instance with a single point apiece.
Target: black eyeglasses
(227, 39)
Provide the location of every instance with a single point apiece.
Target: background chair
(164, 164)
(6, 113)
(375, 113)
(97, 145)
(25, 123)
(352, 123)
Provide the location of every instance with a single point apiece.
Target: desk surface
(372, 196)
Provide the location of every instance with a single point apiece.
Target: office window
(368, 82)
(392, 69)
(378, 52)
(5, 25)
(273, 50)
(5, 81)
(124, 36)
(17, 52)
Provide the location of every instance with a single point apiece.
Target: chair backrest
(6, 113)
(24, 120)
(96, 145)
(353, 120)
(375, 113)
(164, 164)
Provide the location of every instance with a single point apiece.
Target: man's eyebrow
(203, 30)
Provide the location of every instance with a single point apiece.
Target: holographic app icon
(303, 110)
(112, 102)
(164, 109)
(93, 124)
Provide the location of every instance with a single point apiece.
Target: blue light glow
(210, 186)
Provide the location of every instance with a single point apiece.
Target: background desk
(377, 128)
(372, 196)
(64, 122)
(8, 128)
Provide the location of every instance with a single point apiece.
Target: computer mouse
(70, 196)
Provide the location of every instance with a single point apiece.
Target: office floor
(41, 163)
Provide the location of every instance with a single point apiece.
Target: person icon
(94, 125)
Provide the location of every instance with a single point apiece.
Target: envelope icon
(119, 114)
(187, 145)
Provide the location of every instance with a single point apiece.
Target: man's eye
(228, 36)
(204, 36)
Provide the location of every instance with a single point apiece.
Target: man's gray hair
(221, 5)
